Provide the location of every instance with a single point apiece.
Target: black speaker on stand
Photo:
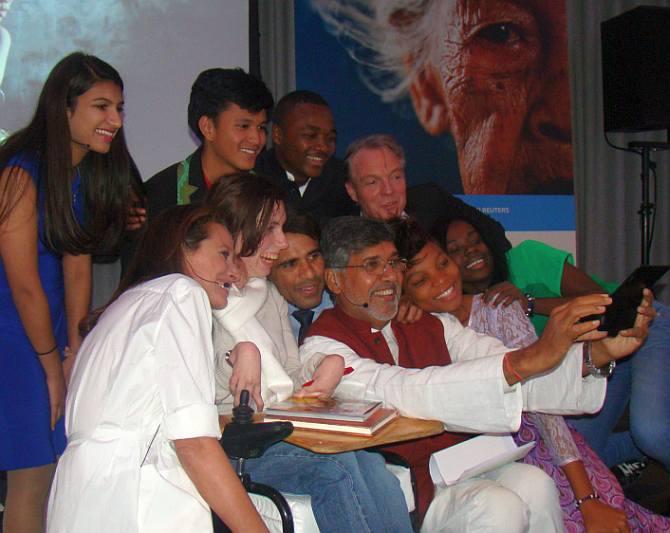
(636, 80)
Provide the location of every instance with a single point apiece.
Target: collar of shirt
(389, 337)
(402, 215)
(302, 188)
(326, 303)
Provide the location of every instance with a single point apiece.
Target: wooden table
(400, 429)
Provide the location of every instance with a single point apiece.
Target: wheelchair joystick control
(243, 414)
(243, 439)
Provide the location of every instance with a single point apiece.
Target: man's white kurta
(143, 378)
(469, 395)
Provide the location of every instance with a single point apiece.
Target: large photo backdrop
(477, 92)
(158, 46)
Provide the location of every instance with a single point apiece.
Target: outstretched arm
(574, 282)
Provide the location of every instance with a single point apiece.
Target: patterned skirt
(603, 480)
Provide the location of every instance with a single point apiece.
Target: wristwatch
(530, 306)
(603, 372)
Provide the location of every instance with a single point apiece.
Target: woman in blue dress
(64, 187)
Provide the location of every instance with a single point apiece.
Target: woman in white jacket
(142, 427)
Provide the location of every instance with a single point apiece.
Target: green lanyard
(184, 188)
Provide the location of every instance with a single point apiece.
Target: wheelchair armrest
(248, 441)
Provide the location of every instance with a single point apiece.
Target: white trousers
(513, 498)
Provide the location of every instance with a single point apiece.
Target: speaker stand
(647, 209)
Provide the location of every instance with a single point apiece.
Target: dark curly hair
(409, 237)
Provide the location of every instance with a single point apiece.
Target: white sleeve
(471, 394)
(185, 364)
(562, 391)
(242, 325)
(467, 396)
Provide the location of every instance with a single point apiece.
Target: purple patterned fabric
(512, 327)
(603, 480)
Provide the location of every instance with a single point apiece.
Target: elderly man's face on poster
(498, 82)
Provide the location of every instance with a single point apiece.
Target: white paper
(474, 457)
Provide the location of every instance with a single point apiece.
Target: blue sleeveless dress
(26, 440)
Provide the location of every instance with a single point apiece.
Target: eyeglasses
(377, 266)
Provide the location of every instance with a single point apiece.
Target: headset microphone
(226, 285)
(218, 283)
(364, 305)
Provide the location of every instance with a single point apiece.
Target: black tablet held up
(620, 314)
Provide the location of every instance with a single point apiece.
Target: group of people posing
(273, 270)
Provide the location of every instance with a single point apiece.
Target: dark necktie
(304, 318)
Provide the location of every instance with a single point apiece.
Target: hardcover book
(379, 418)
(330, 409)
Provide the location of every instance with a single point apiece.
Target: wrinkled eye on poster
(477, 93)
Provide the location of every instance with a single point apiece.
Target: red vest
(420, 345)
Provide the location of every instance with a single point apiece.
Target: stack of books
(358, 417)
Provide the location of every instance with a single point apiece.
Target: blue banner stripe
(527, 212)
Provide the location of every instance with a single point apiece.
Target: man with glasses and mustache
(435, 368)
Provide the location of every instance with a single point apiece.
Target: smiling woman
(95, 119)
(64, 184)
(141, 421)
(433, 283)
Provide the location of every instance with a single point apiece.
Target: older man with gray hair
(376, 182)
(435, 368)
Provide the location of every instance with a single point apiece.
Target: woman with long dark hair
(64, 187)
(143, 451)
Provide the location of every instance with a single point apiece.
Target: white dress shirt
(143, 378)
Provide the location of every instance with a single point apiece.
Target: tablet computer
(621, 313)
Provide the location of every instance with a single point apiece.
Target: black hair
(410, 237)
(106, 178)
(292, 99)
(439, 232)
(216, 88)
(302, 223)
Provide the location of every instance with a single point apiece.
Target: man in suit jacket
(301, 161)
(298, 273)
(376, 181)
(228, 112)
